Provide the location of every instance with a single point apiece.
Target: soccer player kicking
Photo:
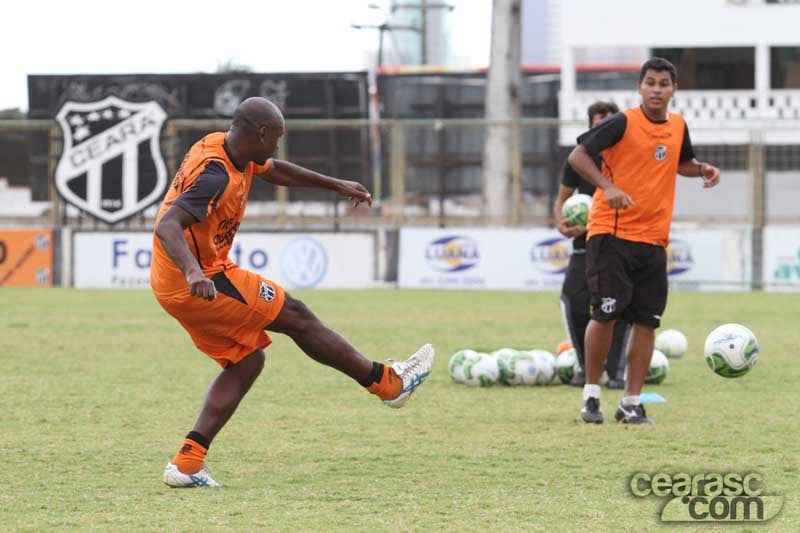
(644, 148)
(224, 308)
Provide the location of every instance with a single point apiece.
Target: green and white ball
(482, 372)
(545, 366)
(521, 369)
(566, 364)
(575, 211)
(456, 365)
(672, 342)
(503, 357)
(659, 366)
(731, 350)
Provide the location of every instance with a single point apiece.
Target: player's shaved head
(256, 112)
(256, 127)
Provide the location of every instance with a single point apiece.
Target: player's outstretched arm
(290, 175)
(693, 168)
(170, 234)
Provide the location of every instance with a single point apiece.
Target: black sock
(375, 375)
(199, 439)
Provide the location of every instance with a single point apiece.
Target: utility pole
(374, 101)
(501, 151)
(423, 7)
(423, 26)
(383, 28)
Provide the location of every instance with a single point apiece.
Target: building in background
(738, 61)
(430, 43)
(541, 37)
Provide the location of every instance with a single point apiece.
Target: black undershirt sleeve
(201, 198)
(687, 152)
(570, 178)
(604, 135)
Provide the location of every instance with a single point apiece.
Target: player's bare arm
(694, 168)
(170, 233)
(290, 175)
(583, 164)
(565, 192)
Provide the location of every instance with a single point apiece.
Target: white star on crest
(76, 120)
(108, 114)
(81, 133)
(94, 116)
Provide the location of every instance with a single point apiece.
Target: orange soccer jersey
(212, 188)
(210, 239)
(644, 164)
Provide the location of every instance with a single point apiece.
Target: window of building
(785, 67)
(712, 68)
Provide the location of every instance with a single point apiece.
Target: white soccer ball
(672, 342)
(659, 366)
(526, 372)
(521, 369)
(456, 365)
(503, 357)
(482, 372)
(731, 350)
(575, 210)
(566, 363)
(546, 366)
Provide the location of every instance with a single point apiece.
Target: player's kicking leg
(393, 383)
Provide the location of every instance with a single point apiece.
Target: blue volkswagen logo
(304, 263)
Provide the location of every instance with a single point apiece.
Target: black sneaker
(631, 414)
(615, 384)
(590, 411)
(578, 379)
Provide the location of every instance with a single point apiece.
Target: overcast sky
(179, 36)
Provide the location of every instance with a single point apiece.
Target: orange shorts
(230, 327)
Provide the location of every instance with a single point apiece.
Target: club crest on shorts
(608, 305)
(661, 152)
(266, 291)
(111, 166)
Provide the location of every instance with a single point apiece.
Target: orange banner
(26, 257)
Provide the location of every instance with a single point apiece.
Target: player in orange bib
(226, 309)
(643, 150)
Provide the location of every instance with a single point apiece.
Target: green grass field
(99, 387)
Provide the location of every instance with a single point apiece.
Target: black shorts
(627, 279)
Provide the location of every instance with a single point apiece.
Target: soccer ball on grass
(731, 350)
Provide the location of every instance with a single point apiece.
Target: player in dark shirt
(575, 296)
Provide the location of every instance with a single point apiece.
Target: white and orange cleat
(413, 372)
(176, 479)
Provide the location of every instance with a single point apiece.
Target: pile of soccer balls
(731, 350)
(506, 366)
